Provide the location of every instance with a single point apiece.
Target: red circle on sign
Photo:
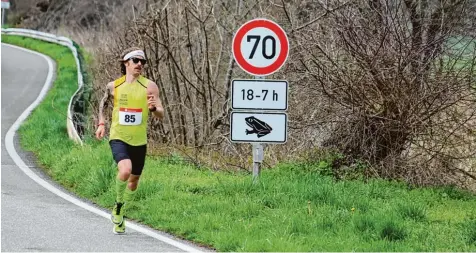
(283, 54)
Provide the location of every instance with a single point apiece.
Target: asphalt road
(33, 218)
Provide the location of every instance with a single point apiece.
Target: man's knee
(125, 168)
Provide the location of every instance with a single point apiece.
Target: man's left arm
(153, 100)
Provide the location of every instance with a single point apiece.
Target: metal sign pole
(258, 153)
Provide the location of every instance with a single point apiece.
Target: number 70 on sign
(265, 46)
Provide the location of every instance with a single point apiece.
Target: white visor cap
(134, 53)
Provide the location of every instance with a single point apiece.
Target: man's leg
(117, 215)
(124, 172)
(121, 156)
(131, 188)
(125, 168)
(138, 160)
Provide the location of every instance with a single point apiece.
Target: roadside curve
(42, 216)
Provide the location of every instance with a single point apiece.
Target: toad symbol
(260, 128)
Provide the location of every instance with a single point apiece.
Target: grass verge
(293, 208)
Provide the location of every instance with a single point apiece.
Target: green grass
(293, 208)
(412, 211)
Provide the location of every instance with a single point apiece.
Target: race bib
(130, 116)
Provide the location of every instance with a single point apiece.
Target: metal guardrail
(72, 131)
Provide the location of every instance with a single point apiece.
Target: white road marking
(21, 164)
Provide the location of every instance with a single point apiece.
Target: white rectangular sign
(259, 94)
(259, 127)
(5, 4)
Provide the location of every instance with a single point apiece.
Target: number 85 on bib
(130, 116)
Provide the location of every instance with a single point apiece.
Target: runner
(134, 97)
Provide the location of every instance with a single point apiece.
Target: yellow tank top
(130, 112)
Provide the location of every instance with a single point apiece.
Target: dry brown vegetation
(377, 80)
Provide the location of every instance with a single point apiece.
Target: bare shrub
(400, 90)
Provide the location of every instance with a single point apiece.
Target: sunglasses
(137, 60)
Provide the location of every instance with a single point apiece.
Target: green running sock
(129, 195)
(120, 187)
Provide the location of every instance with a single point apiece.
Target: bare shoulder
(152, 87)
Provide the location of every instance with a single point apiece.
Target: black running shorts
(121, 150)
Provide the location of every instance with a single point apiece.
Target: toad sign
(260, 128)
(260, 47)
(255, 127)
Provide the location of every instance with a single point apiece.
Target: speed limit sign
(260, 47)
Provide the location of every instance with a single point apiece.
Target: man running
(134, 97)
